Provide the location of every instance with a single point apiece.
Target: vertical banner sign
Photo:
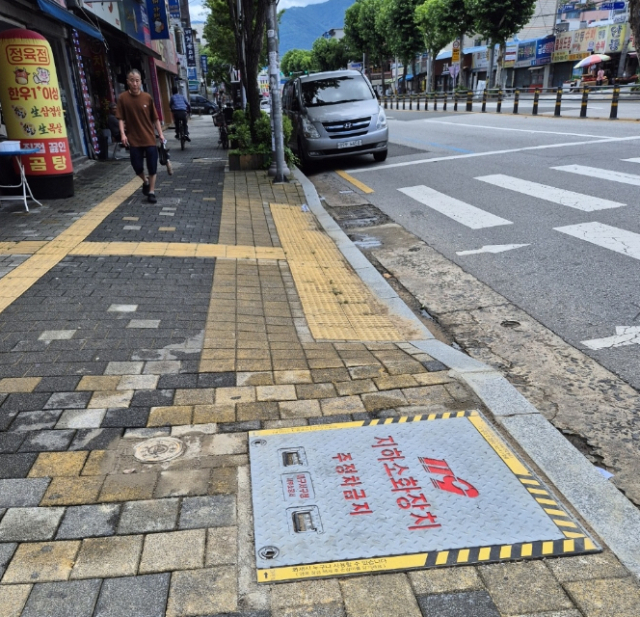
(203, 64)
(159, 26)
(30, 99)
(86, 99)
(190, 47)
(174, 9)
(454, 69)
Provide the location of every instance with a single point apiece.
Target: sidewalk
(223, 309)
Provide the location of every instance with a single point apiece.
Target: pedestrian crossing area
(621, 241)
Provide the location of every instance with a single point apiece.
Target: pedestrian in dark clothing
(114, 124)
(138, 125)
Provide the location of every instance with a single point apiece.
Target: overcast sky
(200, 14)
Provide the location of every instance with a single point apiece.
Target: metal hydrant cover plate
(425, 491)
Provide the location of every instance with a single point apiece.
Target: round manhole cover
(158, 449)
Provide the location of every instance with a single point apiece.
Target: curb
(604, 508)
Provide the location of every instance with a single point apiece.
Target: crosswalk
(621, 241)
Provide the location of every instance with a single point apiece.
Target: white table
(23, 178)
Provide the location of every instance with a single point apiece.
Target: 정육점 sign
(30, 98)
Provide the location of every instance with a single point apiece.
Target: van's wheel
(378, 157)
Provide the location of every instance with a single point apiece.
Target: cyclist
(180, 108)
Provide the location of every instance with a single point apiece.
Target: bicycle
(223, 138)
(181, 128)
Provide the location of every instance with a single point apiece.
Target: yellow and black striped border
(575, 541)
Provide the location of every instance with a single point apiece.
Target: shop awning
(61, 14)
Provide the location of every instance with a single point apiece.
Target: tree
(329, 54)
(429, 18)
(373, 31)
(353, 29)
(218, 31)
(634, 19)
(296, 61)
(498, 20)
(402, 33)
(248, 26)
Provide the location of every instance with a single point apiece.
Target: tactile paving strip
(336, 303)
(433, 490)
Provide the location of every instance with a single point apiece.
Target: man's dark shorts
(137, 155)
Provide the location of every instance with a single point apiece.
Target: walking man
(180, 108)
(138, 124)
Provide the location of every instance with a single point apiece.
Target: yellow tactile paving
(16, 282)
(177, 249)
(336, 303)
(26, 247)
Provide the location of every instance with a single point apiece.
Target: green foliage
(296, 61)
(353, 30)
(261, 143)
(498, 20)
(401, 31)
(219, 28)
(329, 54)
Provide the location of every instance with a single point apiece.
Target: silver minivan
(335, 113)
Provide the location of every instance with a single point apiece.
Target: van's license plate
(349, 144)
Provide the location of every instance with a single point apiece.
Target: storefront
(532, 67)
(59, 26)
(571, 47)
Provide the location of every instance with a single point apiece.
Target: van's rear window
(335, 90)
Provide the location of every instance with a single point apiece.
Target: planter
(246, 162)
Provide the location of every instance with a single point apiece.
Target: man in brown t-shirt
(138, 124)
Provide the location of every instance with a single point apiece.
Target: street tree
(402, 33)
(246, 19)
(296, 61)
(634, 18)
(218, 30)
(372, 26)
(429, 17)
(329, 54)
(498, 20)
(353, 30)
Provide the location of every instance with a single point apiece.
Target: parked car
(335, 113)
(265, 104)
(199, 104)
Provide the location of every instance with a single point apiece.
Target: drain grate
(436, 490)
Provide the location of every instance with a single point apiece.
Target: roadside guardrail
(519, 97)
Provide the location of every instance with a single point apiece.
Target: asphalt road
(573, 265)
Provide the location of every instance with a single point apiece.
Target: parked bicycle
(223, 135)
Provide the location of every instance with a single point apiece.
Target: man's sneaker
(145, 188)
(177, 136)
(151, 198)
(188, 138)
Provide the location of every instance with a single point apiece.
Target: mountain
(302, 25)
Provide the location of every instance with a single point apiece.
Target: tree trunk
(413, 70)
(634, 20)
(404, 77)
(381, 61)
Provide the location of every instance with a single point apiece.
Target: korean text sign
(30, 98)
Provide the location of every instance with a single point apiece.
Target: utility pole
(281, 171)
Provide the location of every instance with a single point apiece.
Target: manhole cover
(425, 491)
(158, 450)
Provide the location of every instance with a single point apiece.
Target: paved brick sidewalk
(204, 317)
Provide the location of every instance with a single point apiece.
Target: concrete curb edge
(605, 509)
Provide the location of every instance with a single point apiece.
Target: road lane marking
(625, 335)
(579, 201)
(455, 157)
(633, 160)
(602, 174)
(502, 128)
(492, 248)
(363, 187)
(459, 211)
(617, 240)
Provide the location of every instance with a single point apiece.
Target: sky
(200, 14)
